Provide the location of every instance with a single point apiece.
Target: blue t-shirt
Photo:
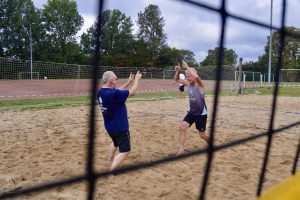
(113, 108)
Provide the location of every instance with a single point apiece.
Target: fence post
(244, 80)
(240, 76)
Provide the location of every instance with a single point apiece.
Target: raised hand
(184, 65)
(138, 75)
(131, 77)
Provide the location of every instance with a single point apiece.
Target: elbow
(132, 93)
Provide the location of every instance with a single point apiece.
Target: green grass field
(283, 91)
(53, 103)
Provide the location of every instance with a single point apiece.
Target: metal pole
(240, 76)
(30, 51)
(270, 47)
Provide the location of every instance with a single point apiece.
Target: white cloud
(201, 55)
(191, 28)
(89, 20)
(262, 4)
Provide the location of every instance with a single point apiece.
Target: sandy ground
(49, 145)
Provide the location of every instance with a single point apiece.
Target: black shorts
(181, 88)
(199, 120)
(121, 140)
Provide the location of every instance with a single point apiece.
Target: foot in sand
(110, 158)
(180, 152)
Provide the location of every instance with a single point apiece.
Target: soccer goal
(29, 75)
(250, 79)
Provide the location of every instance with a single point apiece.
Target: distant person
(114, 111)
(198, 110)
(181, 86)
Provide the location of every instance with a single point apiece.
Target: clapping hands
(184, 65)
(177, 67)
(131, 77)
(138, 75)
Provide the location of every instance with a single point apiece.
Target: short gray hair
(107, 76)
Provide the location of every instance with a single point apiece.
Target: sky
(197, 29)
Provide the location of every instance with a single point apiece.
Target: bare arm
(137, 78)
(176, 76)
(128, 82)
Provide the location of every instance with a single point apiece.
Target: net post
(244, 80)
(240, 76)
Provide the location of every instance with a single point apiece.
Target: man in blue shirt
(112, 103)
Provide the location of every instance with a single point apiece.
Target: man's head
(109, 78)
(189, 77)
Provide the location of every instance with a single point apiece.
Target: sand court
(49, 145)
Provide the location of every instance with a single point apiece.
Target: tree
(3, 24)
(143, 56)
(151, 31)
(61, 22)
(117, 40)
(254, 67)
(290, 55)
(117, 33)
(171, 56)
(16, 17)
(116, 37)
(229, 57)
(291, 48)
(87, 43)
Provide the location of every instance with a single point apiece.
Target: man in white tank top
(198, 110)
(181, 86)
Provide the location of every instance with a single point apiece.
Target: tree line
(53, 31)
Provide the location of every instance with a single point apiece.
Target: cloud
(89, 20)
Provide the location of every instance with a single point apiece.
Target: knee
(182, 127)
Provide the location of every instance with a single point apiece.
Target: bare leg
(118, 160)
(112, 151)
(182, 134)
(204, 136)
(181, 94)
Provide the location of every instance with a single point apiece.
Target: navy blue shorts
(121, 140)
(181, 88)
(199, 120)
